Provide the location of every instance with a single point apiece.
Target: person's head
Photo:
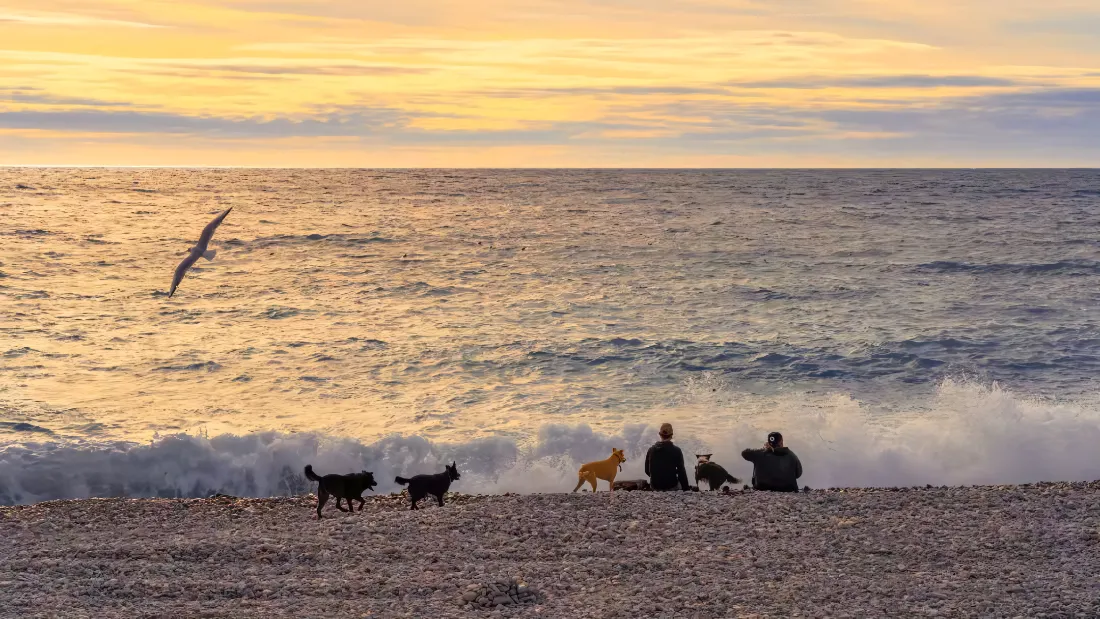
(775, 440)
(666, 432)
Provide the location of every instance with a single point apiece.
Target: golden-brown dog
(601, 469)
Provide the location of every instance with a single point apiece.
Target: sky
(541, 83)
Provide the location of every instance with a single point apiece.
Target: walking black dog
(435, 485)
(346, 487)
(712, 472)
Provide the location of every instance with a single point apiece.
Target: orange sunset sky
(521, 83)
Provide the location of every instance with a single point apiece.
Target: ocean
(900, 327)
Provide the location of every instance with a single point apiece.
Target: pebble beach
(1003, 551)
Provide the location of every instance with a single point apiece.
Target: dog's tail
(401, 480)
(731, 479)
(310, 474)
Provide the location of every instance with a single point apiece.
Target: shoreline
(990, 551)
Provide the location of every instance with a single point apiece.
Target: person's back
(775, 467)
(664, 463)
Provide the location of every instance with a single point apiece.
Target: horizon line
(639, 168)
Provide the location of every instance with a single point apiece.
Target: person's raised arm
(752, 455)
(681, 473)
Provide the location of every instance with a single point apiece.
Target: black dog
(346, 487)
(713, 473)
(435, 485)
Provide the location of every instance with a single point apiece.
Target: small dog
(345, 487)
(633, 484)
(713, 473)
(601, 469)
(436, 485)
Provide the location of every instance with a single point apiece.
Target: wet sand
(1006, 551)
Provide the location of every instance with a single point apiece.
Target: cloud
(1026, 121)
(641, 91)
(1080, 24)
(343, 70)
(71, 19)
(38, 96)
(364, 122)
(881, 81)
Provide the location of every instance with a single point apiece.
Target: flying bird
(198, 250)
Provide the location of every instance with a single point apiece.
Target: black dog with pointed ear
(713, 473)
(347, 487)
(436, 485)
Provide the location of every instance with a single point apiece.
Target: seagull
(198, 250)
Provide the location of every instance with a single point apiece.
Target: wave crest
(969, 434)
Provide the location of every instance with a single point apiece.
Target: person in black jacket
(664, 463)
(775, 467)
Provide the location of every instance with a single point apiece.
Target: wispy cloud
(42, 97)
(342, 70)
(364, 122)
(883, 81)
(70, 19)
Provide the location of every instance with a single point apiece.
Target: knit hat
(774, 439)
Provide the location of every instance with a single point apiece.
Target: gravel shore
(1006, 551)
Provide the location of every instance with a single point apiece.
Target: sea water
(898, 326)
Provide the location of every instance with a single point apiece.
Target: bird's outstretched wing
(181, 270)
(208, 231)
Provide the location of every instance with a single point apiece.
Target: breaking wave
(968, 434)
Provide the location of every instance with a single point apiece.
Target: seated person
(775, 467)
(664, 463)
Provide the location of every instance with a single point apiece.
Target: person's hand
(767, 446)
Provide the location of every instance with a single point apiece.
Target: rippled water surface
(454, 305)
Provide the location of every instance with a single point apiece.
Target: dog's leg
(592, 480)
(322, 496)
(440, 498)
(580, 481)
(362, 502)
(341, 508)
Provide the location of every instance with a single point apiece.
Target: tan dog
(601, 469)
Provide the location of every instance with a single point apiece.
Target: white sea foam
(968, 434)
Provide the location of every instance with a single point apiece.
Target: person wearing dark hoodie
(775, 467)
(664, 463)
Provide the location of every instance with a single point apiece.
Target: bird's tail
(209, 254)
(401, 480)
(310, 474)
